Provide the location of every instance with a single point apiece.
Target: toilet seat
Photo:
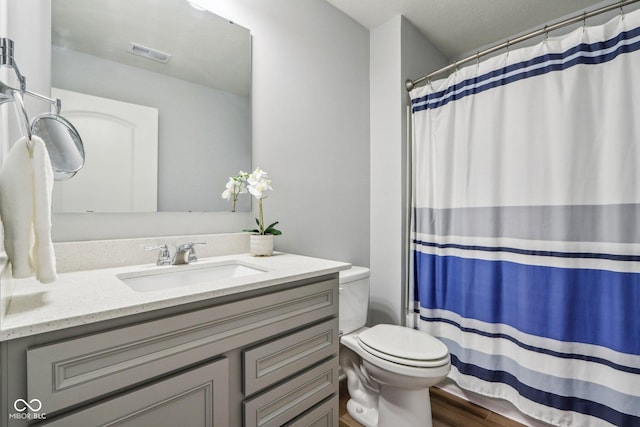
(404, 346)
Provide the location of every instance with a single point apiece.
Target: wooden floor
(447, 411)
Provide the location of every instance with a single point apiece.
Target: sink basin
(180, 276)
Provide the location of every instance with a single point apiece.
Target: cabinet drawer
(199, 395)
(283, 403)
(69, 372)
(274, 361)
(324, 414)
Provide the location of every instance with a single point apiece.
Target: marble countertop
(83, 297)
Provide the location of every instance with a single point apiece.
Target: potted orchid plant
(257, 184)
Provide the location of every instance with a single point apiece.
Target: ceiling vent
(149, 53)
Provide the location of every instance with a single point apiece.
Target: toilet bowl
(389, 368)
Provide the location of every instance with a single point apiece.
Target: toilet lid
(404, 345)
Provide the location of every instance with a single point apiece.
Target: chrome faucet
(164, 257)
(185, 253)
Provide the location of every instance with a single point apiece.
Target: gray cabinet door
(197, 397)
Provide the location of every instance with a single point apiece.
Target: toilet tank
(353, 298)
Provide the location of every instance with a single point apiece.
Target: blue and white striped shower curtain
(526, 224)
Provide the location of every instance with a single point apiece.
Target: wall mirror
(163, 60)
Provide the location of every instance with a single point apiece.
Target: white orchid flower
(227, 194)
(234, 187)
(258, 183)
(258, 174)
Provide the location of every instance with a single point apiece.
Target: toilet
(388, 368)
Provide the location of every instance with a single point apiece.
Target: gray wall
(398, 52)
(310, 122)
(204, 134)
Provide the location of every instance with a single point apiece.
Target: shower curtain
(526, 224)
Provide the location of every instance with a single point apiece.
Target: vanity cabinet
(259, 358)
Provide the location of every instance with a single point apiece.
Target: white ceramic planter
(261, 245)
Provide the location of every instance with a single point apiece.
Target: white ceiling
(457, 27)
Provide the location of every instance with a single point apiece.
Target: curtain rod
(410, 84)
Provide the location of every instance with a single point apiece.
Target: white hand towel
(26, 183)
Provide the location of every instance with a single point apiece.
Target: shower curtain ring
(584, 19)
(546, 33)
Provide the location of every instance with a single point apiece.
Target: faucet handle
(164, 257)
(192, 252)
(183, 247)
